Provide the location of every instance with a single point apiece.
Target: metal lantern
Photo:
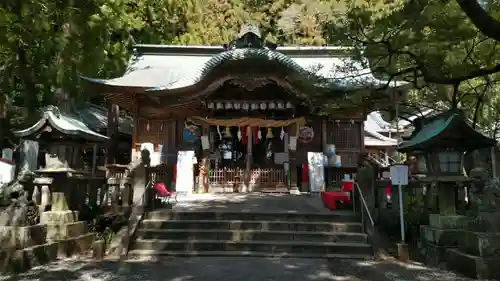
(246, 106)
(237, 105)
(220, 105)
(263, 106)
(271, 105)
(289, 105)
(229, 105)
(254, 106)
(210, 105)
(280, 105)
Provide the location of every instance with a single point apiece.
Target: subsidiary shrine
(250, 111)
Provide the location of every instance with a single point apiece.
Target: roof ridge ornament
(249, 37)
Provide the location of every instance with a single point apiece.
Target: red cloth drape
(243, 135)
(305, 173)
(256, 135)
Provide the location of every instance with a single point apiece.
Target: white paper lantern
(289, 105)
(229, 105)
(246, 106)
(263, 106)
(237, 105)
(254, 106)
(220, 105)
(210, 105)
(280, 105)
(271, 105)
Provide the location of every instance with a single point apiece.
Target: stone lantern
(439, 144)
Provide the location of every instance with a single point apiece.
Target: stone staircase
(184, 233)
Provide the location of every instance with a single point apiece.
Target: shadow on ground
(228, 269)
(250, 202)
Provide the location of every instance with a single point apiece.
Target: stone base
(434, 255)
(98, 249)
(472, 266)
(482, 244)
(22, 260)
(439, 236)
(403, 254)
(20, 237)
(64, 231)
(75, 245)
(294, 190)
(58, 217)
(448, 222)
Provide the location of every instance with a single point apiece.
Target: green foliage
(44, 45)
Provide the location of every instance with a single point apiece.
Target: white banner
(316, 161)
(184, 182)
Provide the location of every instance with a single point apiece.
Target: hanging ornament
(244, 135)
(239, 133)
(282, 133)
(219, 132)
(269, 134)
(259, 134)
(227, 134)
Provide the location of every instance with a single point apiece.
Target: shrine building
(250, 110)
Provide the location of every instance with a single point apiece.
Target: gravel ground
(229, 269)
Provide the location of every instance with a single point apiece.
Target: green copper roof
(447, 130)
(64, 122)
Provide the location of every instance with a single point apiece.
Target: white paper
(205, 144)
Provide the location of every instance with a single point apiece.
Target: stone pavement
(251, 202)
(233, 269)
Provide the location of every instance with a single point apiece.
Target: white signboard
(316, 161)
(399, 174)
(184, 182)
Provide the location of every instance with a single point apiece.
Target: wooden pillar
(204, 164)
(293, 163)
(135, 129)
(324, 141)
(112, 133)
(248, 168)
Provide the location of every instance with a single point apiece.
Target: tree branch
(488, 25)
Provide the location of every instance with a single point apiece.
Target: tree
(428, 44)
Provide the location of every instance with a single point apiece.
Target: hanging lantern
(227, 133)
(271, 105)
(229, 105)
(237, 105)
(280, 105)
(220, 105)
(269, 134)
(289, 105)
(282, 133)
(254, 106)
(263, 106)
(246, 106)
(210, 105)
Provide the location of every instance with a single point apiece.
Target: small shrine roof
(446, 130)
(96, 118)
(64, 122)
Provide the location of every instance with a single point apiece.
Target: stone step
(275, 247)
(151, 254)
(251, 235)
(340, 216)
(253, 225)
